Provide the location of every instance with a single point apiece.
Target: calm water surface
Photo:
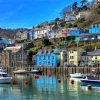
(46, 88)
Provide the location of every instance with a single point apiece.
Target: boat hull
(20, 72)
(90, 82)
(36, 72)
(6, 80)
(27, 72)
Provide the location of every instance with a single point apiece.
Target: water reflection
(45, 88)
(45, 83)
(73, 89)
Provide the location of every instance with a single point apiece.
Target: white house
(83, 14)
(52, 34)
(41, 32)
(22, 35)
(69, 16)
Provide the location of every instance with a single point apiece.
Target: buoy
(72, 81)
(14, 82)
(59, 80)
(88, 87)
(25, 82)
(36, 77)
(49, 74)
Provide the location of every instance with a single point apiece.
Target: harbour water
(46, 88)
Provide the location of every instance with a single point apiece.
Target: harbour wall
(59, 70)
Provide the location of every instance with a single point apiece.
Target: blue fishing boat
(90, 80)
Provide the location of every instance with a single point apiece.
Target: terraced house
(46, 58)
(92, 35)
(91, 58)
(12, 57)
(94, 29)
(74, 56)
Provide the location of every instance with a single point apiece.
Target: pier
(59, 70)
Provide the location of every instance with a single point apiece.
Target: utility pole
(22, 55)
(77, 54)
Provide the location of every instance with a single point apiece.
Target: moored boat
(77, 75)
(4, 77)
(35, 71)
(90, 80)
(20, 72)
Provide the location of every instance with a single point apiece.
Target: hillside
(10, 33)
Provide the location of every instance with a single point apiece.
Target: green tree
(83, 2)
(66, 9)
(74, 6)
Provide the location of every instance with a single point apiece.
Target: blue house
(94, 28)
(48, 59)
(75, 32)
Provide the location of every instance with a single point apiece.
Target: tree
(74, 6)
(46, 41)
(33, 27)
(57, 19)
(66, 9)
(83, 2)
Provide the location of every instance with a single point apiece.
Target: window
(48, 57)
(44, 63)
(71, 51)
(71, 57)
(44, 57)
(95, 57)
(40, 63)
(49, 63)
(53, 57)
(52, 64)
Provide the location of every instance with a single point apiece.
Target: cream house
(74, 56)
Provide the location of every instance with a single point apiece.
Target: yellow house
(74, 56)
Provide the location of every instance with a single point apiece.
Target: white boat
(4, 77)
(20, 72)
(77, 75)
(35, 71)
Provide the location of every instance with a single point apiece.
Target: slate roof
(93, 53)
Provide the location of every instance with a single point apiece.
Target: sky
(29, 13)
